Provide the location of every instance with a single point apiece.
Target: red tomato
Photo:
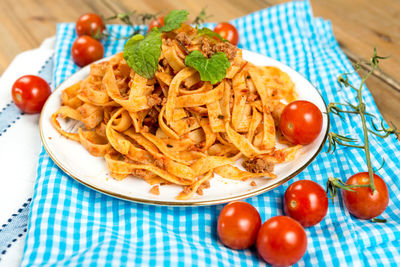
(89, 24)
(238, 224)
(281, 241)
(301, 122)
(86, 50)
(228, 32)
(362, 203)
(157, 22)
(306, 202)
(29, 93)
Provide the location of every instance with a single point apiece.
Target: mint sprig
(142, 53)
(210, 33)
(174, 20)
(211, 69)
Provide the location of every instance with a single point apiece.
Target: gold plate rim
(180, 203)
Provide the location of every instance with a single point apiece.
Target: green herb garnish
(210, 69)
(142, 53)
(210, 33)
(174, 20)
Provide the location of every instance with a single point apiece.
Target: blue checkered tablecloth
(70, 224)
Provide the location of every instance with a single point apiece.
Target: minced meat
(226, 47)
(258, 164)
(153, 100)
(183, 38)
(209, 48)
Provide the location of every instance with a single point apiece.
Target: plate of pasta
(197, 125)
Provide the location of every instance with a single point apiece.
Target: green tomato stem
(365, 130)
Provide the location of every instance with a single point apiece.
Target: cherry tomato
(281, 241)
(157, 22)
(89, 24)
(306, 202)
(362, 203)
(86, 50)
(228, 32)
(238, 224)
(301, 122)
(29, 93)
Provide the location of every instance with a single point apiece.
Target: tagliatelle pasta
(176, 128)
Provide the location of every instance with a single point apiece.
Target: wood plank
(386, 99)
(26, 28)
(222, 10)
(360, 25)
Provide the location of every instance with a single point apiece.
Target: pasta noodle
(175, 128)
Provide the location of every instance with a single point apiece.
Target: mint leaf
(134, 39)
(210, 33)
(211, 69)
(142, 53)
(174, 20)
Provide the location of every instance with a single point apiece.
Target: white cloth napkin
(19, 148)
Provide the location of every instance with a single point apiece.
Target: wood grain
(358, 26)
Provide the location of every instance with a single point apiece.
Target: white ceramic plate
(91, 171)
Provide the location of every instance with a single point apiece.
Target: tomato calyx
(99, 35)
(334, 184)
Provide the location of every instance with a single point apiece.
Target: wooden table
(358, 26)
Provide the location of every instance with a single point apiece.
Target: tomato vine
(338, 109)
